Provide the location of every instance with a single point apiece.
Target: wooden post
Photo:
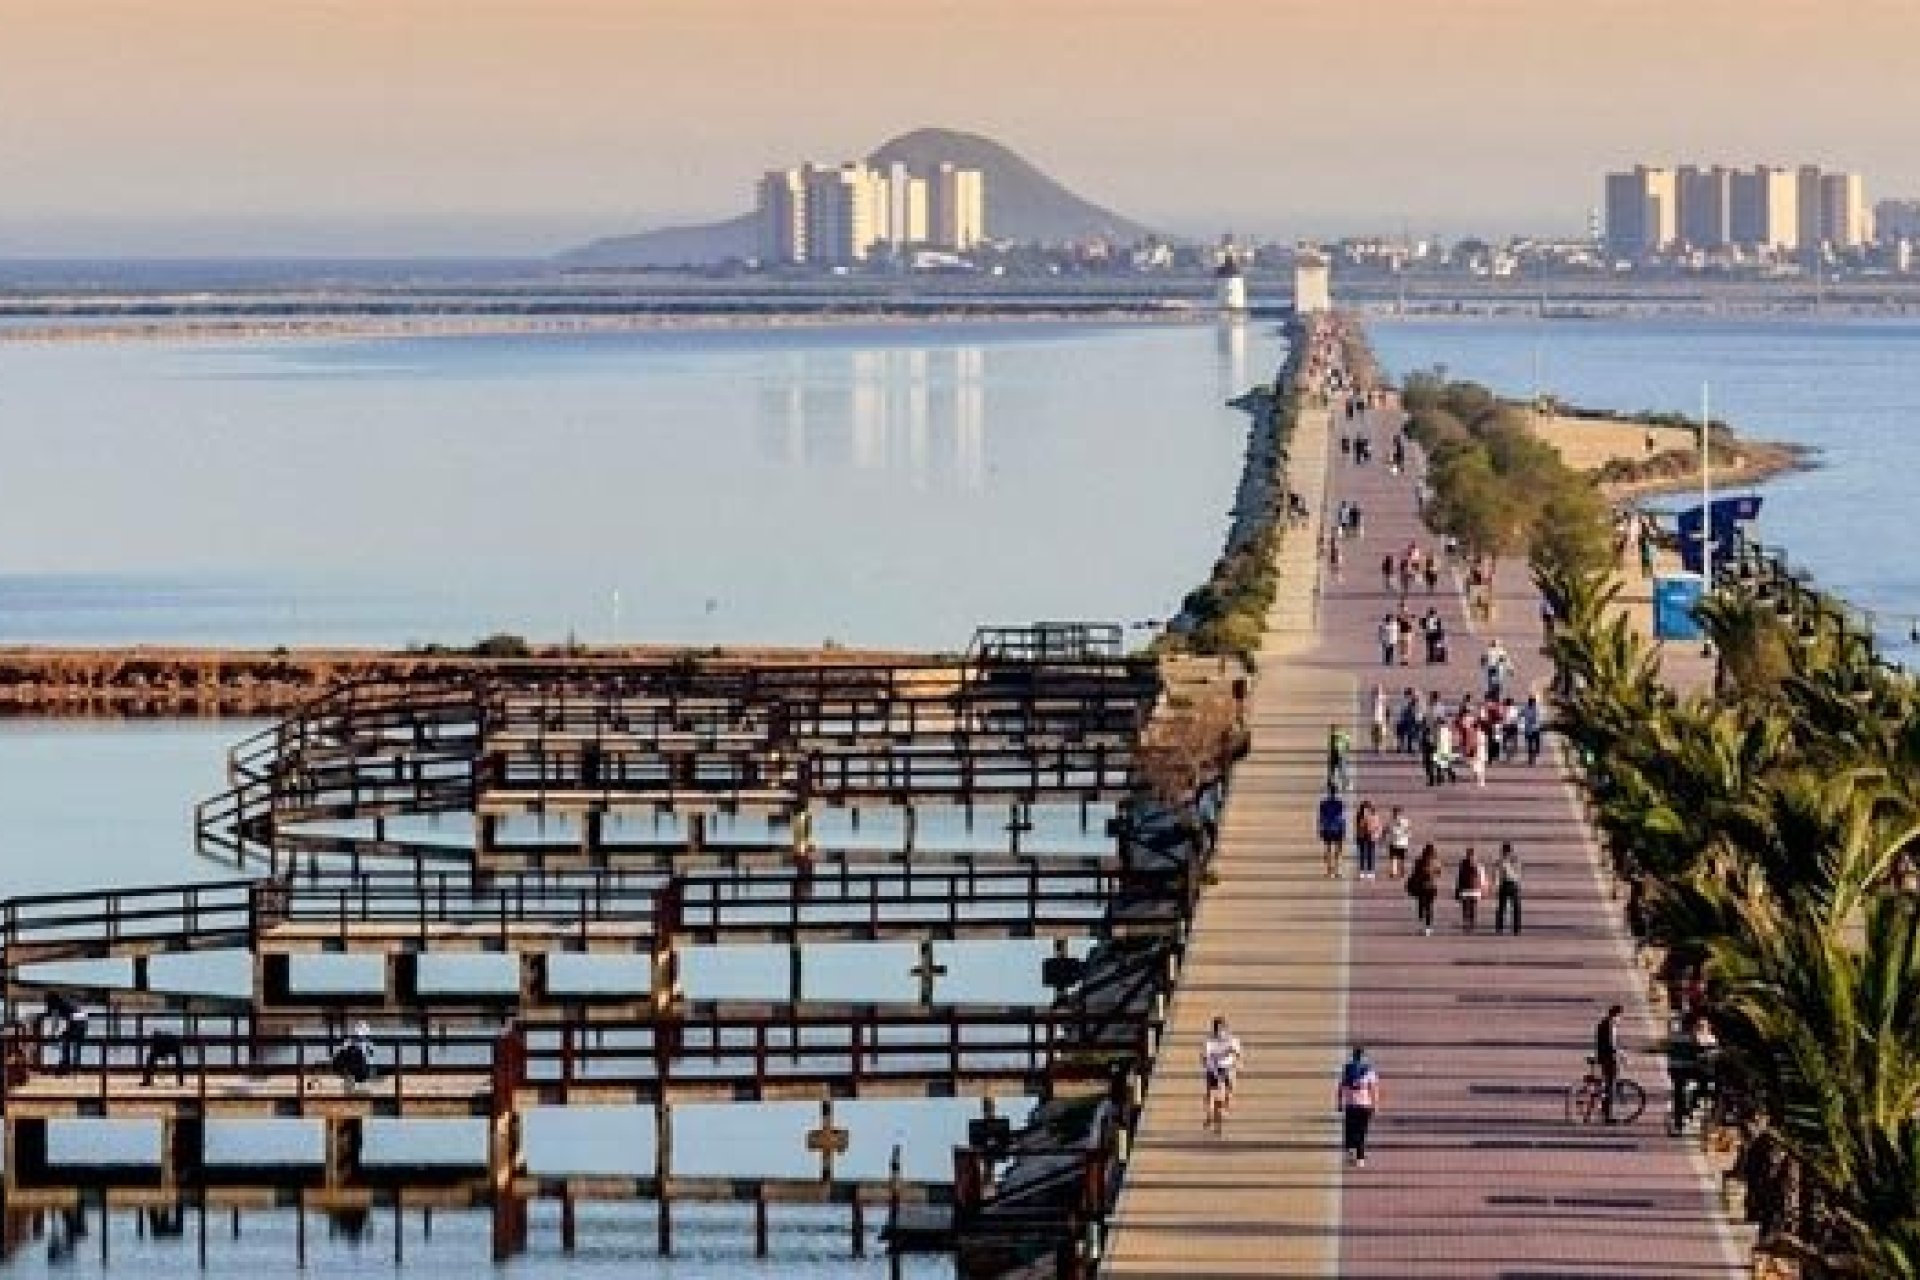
(567, 1236)
(760, 1223)
(300, 1227)
(663, 1171)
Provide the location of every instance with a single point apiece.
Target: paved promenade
(1474, 1170)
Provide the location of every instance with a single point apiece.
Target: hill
(1023, 204)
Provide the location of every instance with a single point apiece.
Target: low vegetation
(1495, 486)
(1227, 614)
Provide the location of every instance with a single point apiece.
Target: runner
(1220, 1059)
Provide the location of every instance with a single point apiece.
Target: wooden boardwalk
(1474, 1170)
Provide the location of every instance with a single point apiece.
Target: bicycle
(1586, 1100)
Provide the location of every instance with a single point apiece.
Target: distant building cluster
(1763, 212)
(846, 214)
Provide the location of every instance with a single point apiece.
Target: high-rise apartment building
(1705, 198)
(1845, 220)
(838, 216)
(1764, 212)
(1641, 212)
(1807, 191)
(783, 216)
(1895, 220)
(844, 208)
(956, 208)
(906, 207)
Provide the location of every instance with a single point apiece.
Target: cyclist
(1220, 1059)
(1606, 1056)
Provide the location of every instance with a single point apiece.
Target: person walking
(1473, 746)
(1496, 666)
(1506, 876)
(1606, 1056)
(1423, 886)
(1356, 1098)
(1367, 830)
(1406, 725)
(1531, 728)
(1332, 825)
(1339, 758)
(1389, 632)
(1382, 718)
(1469, 886)
(1220, 1059)
(1399, 842)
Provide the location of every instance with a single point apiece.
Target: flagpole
(1706, 492)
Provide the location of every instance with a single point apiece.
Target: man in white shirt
(1220, 1059)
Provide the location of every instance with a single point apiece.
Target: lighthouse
(1312, 290)
(1229, 285)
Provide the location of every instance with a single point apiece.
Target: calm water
(1851, 388)
(878, 484)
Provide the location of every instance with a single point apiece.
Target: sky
(511, 126)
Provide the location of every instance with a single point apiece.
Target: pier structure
(383, 824)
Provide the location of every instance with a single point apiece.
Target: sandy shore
(1590, 444)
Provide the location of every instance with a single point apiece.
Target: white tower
(1229, 285)
(1312, 290)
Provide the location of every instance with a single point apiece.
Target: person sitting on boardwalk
(1423, 886)
(1469, 886)
(163, 1046)
(354, 1058)
(1356, 1097)
(1332, 825)
(72, 1020)
(1220, 1059)
(1692, 1052)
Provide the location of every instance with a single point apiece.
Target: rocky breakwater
(132, 683)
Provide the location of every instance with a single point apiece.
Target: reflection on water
(918, 412)
(892, 485)
(1230, 350)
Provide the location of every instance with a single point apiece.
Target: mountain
(1023, 204)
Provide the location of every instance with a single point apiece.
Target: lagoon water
(879, 484)
(1848, 387)
(889, 485)
(885, 485)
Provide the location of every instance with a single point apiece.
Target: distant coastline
(371, 327)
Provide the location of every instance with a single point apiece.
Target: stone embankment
(163, 682)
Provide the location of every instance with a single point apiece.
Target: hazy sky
(404, 125)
